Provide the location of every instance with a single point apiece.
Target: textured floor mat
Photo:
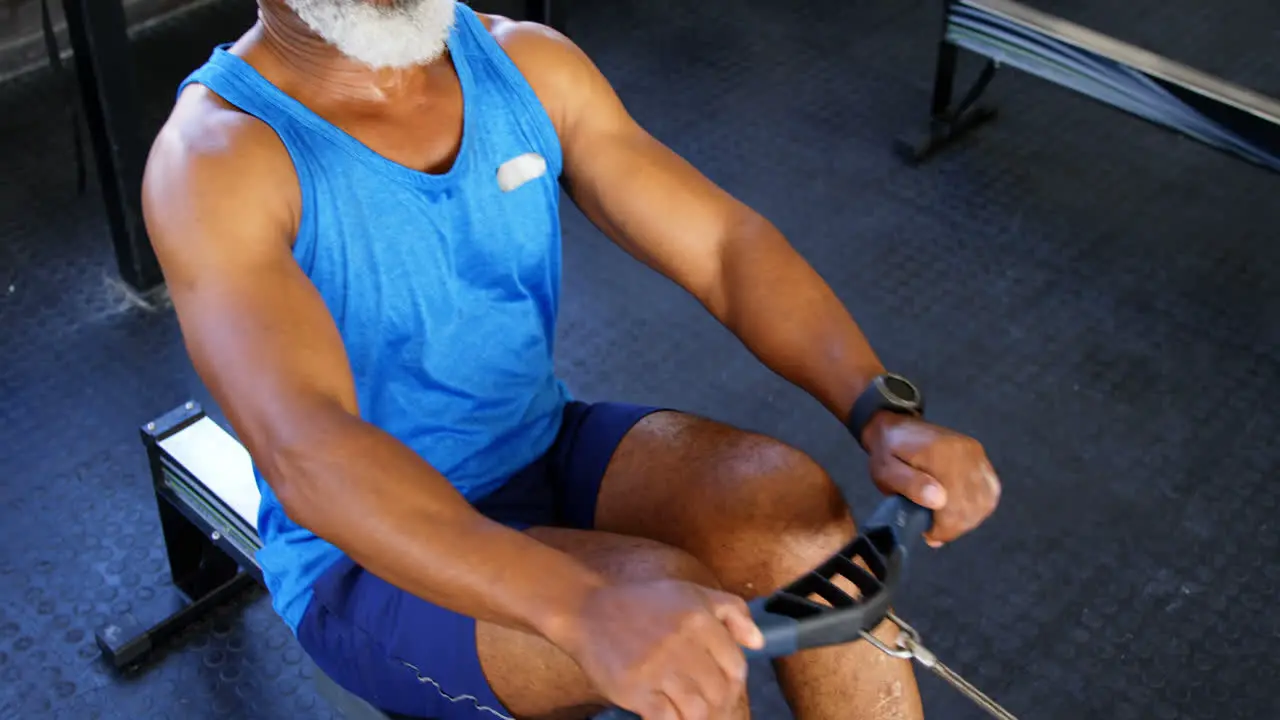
(1096, 299)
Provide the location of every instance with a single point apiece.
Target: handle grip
(906, 519)
(781, 638)
(791, 622)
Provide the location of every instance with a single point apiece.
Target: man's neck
(321, 68)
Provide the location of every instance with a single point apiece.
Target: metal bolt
(216, 535)
(190, 405)
(151, 426)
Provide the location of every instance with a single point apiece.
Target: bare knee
(754, 510)
(792, 494)
(820, 525)
(642, 560)
(793, 517)
(627, 558)
(669, 563)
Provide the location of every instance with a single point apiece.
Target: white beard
(399, 34)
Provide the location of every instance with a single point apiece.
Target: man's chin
(382, 59)
(392, 34)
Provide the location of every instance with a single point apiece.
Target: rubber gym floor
(1096, 299)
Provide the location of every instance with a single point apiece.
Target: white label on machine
(219, 462)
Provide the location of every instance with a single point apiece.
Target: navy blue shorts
(406, 656)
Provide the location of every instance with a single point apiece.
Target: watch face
(901, 390)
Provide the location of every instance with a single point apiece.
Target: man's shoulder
(206, 140)
(212, 164)
(504, 29)
(202, 125)
(534, 47)
(551, 63)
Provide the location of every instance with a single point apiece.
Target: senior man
(356, 209)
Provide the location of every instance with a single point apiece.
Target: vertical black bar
(100, 38)
(945, 73)
(558, 15)
(184, 544)
(552, 13)
(944, 79)
(196, 565)
(537, 11)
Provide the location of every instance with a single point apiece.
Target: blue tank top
(444, 287)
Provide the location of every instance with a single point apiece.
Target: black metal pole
(100, 37)
(945, 72)
(948, 121)
(944, 79)
(558, 15)
(552, 13)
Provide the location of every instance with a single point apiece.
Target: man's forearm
(788, 316)
(397, 517)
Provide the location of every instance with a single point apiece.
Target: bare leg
(758, 514)
(533, 678)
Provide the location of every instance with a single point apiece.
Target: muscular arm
(665, 213)
(220, 203)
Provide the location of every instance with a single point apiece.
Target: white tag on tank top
(520, 170)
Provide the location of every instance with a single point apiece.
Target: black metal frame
(207, 567)
(947, 122)
(1251, 121)
(104, 64)
(552, 13)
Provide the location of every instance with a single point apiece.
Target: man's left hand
(942, 470)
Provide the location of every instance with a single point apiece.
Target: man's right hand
(665, 650)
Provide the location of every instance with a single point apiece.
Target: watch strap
(875, 399)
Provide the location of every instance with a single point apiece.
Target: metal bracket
(948, 123)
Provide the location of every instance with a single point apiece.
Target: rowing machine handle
(875, 563)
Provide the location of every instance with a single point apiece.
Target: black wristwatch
(888, 392)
